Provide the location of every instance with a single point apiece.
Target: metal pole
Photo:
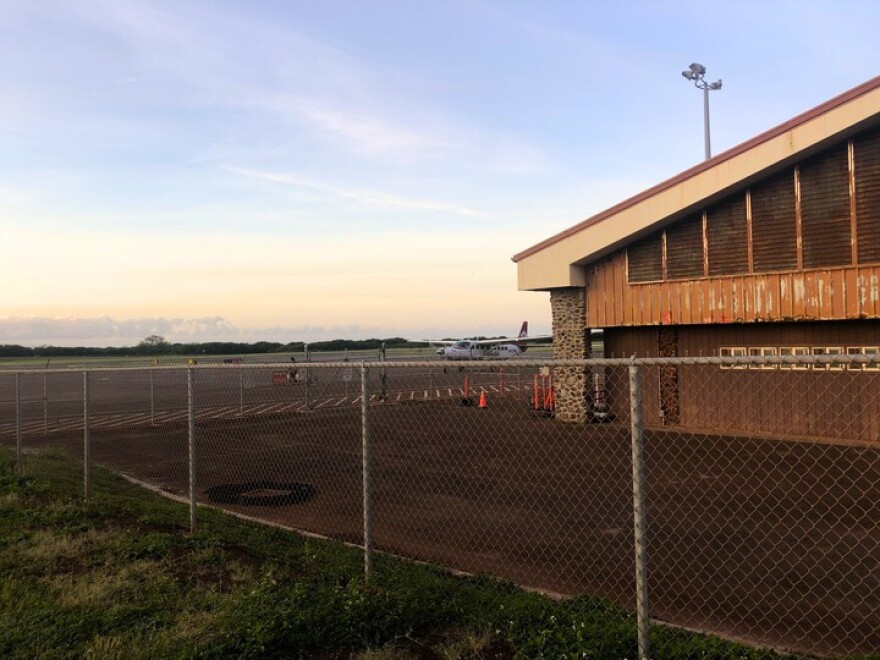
(308, 376)
(17, 421)
(191, 435)
(152, 401)
(240, 391)
(639, 516)
(87, 440)
(367, 460)
(706, 121)
(383, 380)
(45, 404)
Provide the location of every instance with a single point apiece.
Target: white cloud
(372, 197)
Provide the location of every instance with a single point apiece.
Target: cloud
(108, 331)
(372, 197)
(104, 330)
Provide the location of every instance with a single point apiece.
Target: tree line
(156, 345)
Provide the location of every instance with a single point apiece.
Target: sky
(298, 170)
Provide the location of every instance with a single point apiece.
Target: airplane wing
(509, 340)
(435, 342)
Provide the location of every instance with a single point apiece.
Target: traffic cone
(483, 403)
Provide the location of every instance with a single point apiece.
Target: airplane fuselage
(469, 350)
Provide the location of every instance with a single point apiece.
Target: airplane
(489, 349)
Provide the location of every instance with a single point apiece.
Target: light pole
(696, 74)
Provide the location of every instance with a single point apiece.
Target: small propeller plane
(489, 349)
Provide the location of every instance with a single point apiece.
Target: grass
(121, 576)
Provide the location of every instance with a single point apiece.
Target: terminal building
(770, 248)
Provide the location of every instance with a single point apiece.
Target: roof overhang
(558, 261)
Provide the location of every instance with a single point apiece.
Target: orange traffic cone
(483, 403)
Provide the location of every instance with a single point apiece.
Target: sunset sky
(286, 170)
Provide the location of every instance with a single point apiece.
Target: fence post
(241, 390)
(45, 405)
(152, 400)
(191, 437)
(18, 421)
(383, 380)
(639, 518)
(308, 359)
(367, 468)
(87, 440)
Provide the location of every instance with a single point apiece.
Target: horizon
(222, 172)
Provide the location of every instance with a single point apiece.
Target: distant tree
(153, 345)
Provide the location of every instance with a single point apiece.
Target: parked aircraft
(489, 349)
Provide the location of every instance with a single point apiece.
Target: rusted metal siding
(825, 209)
(774, 226)
(684, 248)
(727, 237)
(646, 259)
(840, 293)
(866, 154)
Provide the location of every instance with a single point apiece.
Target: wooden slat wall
(728, 237)
(866, 150)
(841, 293)
(646, 259)
(684, 248)
(774, 226)
(825, 209)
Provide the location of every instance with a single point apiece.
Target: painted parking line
(324, 403)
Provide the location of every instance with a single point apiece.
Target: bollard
(367, 474)
(639, 517)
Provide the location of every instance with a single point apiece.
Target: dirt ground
(775, 542)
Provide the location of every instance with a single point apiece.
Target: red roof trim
(803, 118)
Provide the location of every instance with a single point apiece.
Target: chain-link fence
(734, 496)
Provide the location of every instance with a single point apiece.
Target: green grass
(121, 576)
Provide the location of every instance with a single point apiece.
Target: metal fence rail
(736, 496)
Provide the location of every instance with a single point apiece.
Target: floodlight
(695, 73)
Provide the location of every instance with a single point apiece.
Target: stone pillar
(570, 341)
